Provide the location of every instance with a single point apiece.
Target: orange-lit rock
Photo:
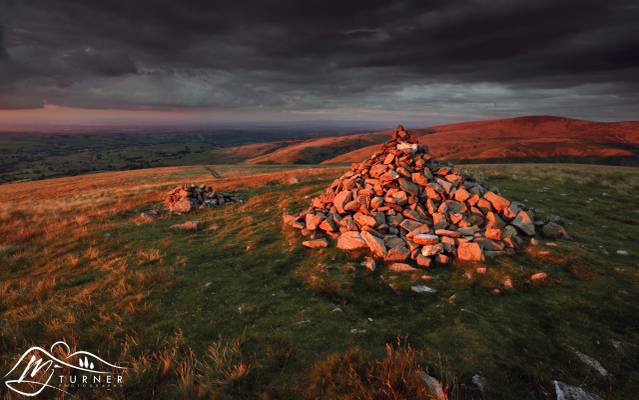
(350, 240)
(469, 251)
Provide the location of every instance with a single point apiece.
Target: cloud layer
(331, 58)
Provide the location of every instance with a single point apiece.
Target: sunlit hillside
(239, 309)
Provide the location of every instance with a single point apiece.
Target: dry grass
(80, 279)
(357, 375)
(77, 266)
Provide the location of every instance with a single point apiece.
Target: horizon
(105, 121)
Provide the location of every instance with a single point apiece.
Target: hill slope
(239, 309)
(314, 151)
(524, 138)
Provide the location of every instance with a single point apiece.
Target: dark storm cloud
(488, 57)
(3, 51)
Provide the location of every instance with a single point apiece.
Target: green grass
(272, 315)
(30, 156)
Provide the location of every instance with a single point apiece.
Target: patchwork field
(239, 309)
(31, 156)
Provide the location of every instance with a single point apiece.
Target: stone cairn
(403, 204)
(189, 197)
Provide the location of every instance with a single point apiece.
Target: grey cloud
(474, 56)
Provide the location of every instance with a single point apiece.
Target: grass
(241, 310)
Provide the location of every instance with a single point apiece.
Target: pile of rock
(189, 197)
(403, 204)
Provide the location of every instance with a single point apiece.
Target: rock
(328, 225)
(401, 267)
(524, 222)
(461, 195)
(484, 205)
(480, 382)
(186, 226)
(423, 261)
(447, 186)
(493, 233)
(432, 249)
(409, 225)
(434, 386)
(183, 205)
(422, 289)
(469, 251)
(554, 231)
(509, 232)
(497, 201)
(591, 362)
(389, 158)
(365, 220)
(425, 239)
(538, 277)
(369, 264)
(409, 186)
(350, 240)
(146, 217)
(493, 221)
(408, 148)
(288, 218)
(342, 198)
(315, 243)
(377, 202)
(400, 198)
(312, 221)
(352, 206)
(439, 221)
(422, 229)
(399, 253)
(448, 233)
(490, 245)
(297, 224)
(564, 391)
(403, 204)
(375, 244)
(419, 179)
(187, 198)
(622, 252)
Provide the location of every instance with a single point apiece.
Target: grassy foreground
(241, 310)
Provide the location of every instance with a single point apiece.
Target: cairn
(189, 197)
(404, 204)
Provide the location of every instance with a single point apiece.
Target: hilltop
(239, 309)
(522, 139)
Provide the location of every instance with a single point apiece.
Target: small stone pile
(404, 204)
(189, 197)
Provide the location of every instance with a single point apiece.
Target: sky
(419, 62)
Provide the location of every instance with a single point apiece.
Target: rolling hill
(31, 156)
(532, 138)
(314, 151)
(240, 309)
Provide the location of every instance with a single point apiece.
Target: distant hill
(314, 151)
(532, 138)
(541, 138)
(31, 156)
